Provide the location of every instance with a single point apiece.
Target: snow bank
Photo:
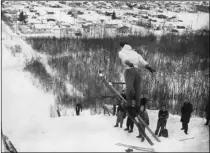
(24, 107)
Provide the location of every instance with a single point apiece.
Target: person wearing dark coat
(186, 111)
(123, 94)
(78, 108)
(121, 113)
(133, 112)
(207, 114)
(162, 120)
(144, 115)
(143, 101)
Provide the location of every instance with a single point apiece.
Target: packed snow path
(26, 121)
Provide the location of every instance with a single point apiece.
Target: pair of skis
(118, 95)
(136, 148)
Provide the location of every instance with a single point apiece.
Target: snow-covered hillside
(26, 117)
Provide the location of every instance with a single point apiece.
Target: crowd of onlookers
(163, 115)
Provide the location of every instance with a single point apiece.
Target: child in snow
(133, 112)
(133, 79)
(144, 115)
(186, 111)
(121, 114)
(162, 120)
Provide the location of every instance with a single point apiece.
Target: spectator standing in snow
(186, 111)
(133, 79)
(162, 120)
(132, 112)
(144, 115)
(121, 114)
(207, 113)
(78, 108)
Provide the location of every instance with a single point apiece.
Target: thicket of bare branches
(182, 64)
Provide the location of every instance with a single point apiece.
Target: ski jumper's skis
(147, 127)
(109, 86)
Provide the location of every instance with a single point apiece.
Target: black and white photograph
(105, 76)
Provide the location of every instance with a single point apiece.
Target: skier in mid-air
(133, 79)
